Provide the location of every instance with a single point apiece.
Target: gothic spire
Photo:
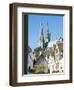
(41, 29)
(47, 37)
(41, 37)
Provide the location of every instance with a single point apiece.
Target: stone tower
(47, 36)
(41, 37)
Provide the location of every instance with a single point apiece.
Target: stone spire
(41, 37)
(47, 37)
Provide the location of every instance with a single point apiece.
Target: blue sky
(55, 24)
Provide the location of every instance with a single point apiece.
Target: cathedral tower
(41, 38)
(47, 36)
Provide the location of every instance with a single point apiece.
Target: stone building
(52, 50)
(48, 54)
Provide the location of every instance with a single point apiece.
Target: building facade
(48, 54)
(52, 50)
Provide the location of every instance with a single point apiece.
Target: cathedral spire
(41, 37)
(41, 28)
(47, 37)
